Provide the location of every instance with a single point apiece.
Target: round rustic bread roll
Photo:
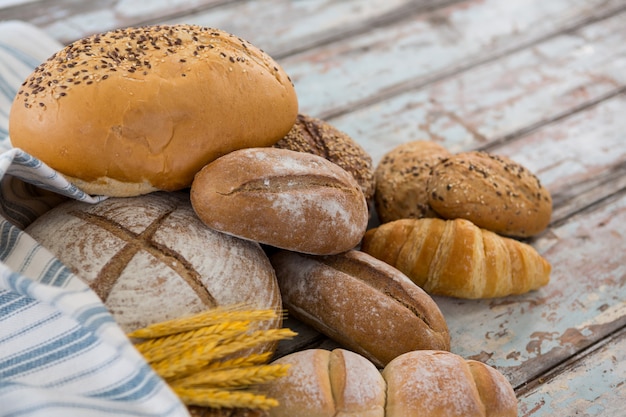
(313, 135)
(141, 109)
(438, 383)
(282, 198)
(150, 259)
(323, 383)
(491, 191)
(401, 178)
(360, 302)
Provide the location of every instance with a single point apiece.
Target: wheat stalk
(217, 398)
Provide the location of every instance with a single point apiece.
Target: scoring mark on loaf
(378, 280)
(291, 183)
(136, 242)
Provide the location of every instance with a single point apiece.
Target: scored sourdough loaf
(150, 259)
(141, 109)
(282, 198)
(360, 302)
(456, 258)
(316, 136)
(437, 383)
(401, 179)
(491, 191)
(324, 383)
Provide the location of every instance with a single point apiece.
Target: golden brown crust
(458, 259)
(435, 384)
(362, 303)
(151, 105)
(313, 135)
(492, 191)
(401, 178)
(282, 198)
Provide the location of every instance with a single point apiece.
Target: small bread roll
(401, 178)
(324, 383)
(150, 259)
(436, 384)
(360, 302)
(282, 198)
(135, 110)
(313, 135)
(493, 192)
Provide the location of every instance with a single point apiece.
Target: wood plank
(304, 25)
(503, 99)
(388, 61)
(593, 383)
(68, 20)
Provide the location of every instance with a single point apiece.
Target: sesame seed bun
(136, 110)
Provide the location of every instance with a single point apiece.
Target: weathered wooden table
(542, 82)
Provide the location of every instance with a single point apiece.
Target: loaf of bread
(457, 258)
(401, 178)
(141, 109)
(316, 136)
(323, 383)
(437, 384)
(150, 259)
(424, 383)
(491, 191)
(282, 198)
(360, 302)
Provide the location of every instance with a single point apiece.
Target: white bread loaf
(323, 383)
(282, 198)
(141, 109)
(150, 259)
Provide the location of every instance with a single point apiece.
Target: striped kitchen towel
(61, 352)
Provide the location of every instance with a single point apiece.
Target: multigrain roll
(316, 136)
(150, 259)
(282, 198)
(401, 178)
(492, 191)
(136, 110)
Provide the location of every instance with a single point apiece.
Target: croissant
(457, 258)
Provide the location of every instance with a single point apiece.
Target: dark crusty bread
(282, 198)
(360, 302)
(316, 136)
(401, 177)
(492, 191)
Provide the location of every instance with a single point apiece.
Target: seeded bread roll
(440, 384)
(150, 259)
(493, 192)
(318, 137)
(136, 110)
(401, 178)
(360, 302)
(286, 199)
(323, 383)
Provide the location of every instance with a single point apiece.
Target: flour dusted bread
(323, 383)
(401, 179)
(492, 191)
(457, 258)
(437, 384)
(150, 259)
(360, 302)
(283, 198)
(141, 109)
(316, 136)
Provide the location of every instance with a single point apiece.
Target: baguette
(457, 258)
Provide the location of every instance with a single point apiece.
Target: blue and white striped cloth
(61, 352)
